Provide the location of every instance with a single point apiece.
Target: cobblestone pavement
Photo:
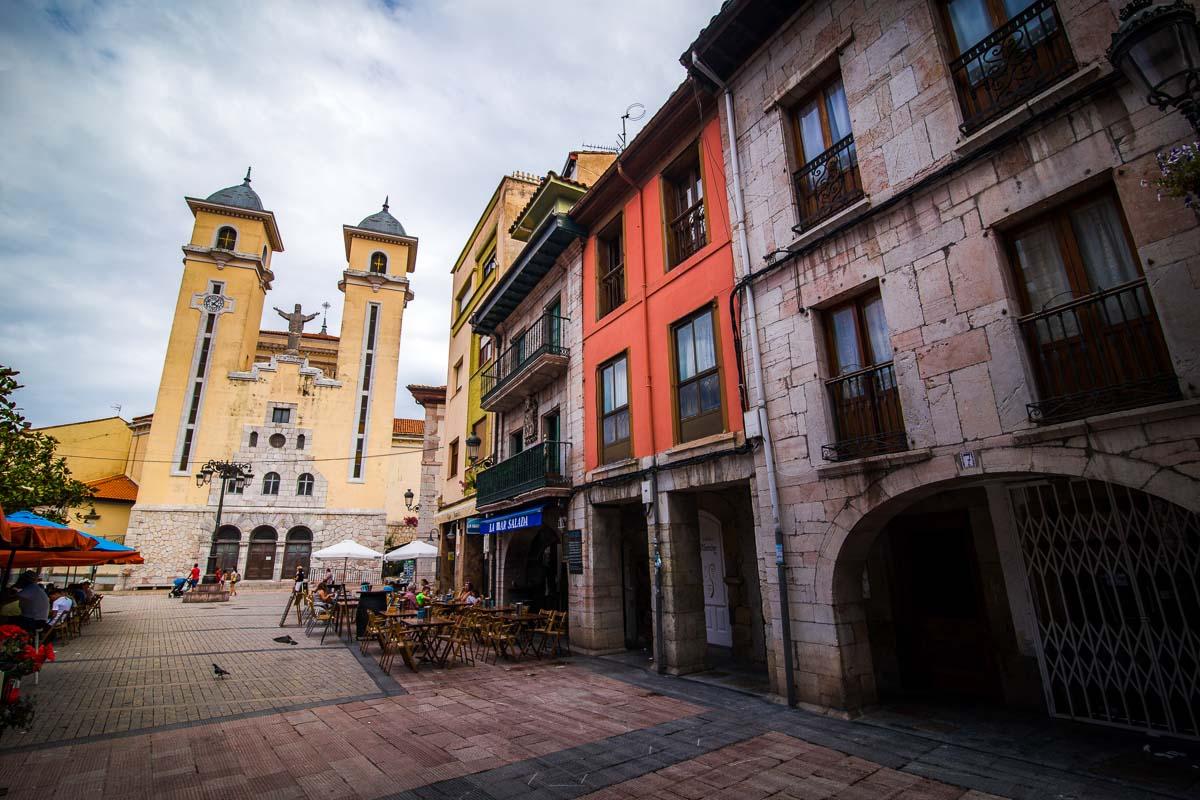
(131, 710)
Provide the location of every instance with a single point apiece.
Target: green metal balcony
(535, 359)
(542, 466)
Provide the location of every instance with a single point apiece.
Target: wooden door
(260, 561)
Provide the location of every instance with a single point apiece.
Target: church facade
(310, 417)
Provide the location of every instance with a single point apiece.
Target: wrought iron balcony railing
(1022, 57)
(544, 336)
(612, 289)
(1098, 353)
(540, 466)
(866, 414)
(828, 183)
(688, 232)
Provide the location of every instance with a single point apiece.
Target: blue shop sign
(512, 521)
(473, 524)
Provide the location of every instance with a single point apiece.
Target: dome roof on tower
(240, 196)
(383, 222)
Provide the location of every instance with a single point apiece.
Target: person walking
(220, 576)
(233, 577)
(298, 585)
(194, 575)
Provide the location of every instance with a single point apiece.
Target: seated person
(323, 598)
(467, 589)
(409, 601)
(421, 599)
(34, 602)
(471, 598)
(88, 593)
(61, 604)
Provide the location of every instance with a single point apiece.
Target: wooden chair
(394, 639)
(456, 642)
(376, 623)
(318, 616)
(553, 629)
(501, 638)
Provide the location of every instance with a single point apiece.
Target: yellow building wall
(94, 449)
(462, 407)
(404, 472)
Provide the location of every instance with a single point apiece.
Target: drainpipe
(659, 661)
(755, 365)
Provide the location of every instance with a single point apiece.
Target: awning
(513, 521)
(24, 529)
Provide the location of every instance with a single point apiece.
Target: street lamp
(408, 501)
(473, 443)
(224, 471)
(1158, 48)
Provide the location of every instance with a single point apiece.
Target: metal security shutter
(1114, 576)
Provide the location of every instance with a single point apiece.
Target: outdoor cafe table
(424, 631)
(344, 613)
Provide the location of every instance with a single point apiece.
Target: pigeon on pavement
(220, 673)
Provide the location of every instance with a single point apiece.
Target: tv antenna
(635, 112)
(325, 316)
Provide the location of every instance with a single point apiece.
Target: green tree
(31, 475)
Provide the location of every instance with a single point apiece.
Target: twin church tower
(313, 419)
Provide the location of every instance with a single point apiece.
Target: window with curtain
(697, 377)
(615, 437)
(827, 178)
(973, 20)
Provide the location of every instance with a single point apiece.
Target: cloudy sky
(114, 111)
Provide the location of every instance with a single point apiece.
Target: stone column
(596, 609)
(683, 635)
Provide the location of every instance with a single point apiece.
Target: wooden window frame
(670, 189)
(859, 304)
(704, 422)
(452, 459)
(623, 448)
(996, 11)
(486, 350)
(614, 230)
(793, 113)
(1068, 244)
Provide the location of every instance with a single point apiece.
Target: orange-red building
(668, 518)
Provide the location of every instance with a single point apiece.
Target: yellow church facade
(312, 415)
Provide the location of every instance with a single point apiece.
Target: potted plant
(1180, 174)
(18, 658)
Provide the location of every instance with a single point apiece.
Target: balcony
(539, 471)
(1022, 57)
(827, 184)
(1098, 353)
(688, 233)
(535, 359)
(867, 414)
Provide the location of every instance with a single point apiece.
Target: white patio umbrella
(346, 550)
(411, 550)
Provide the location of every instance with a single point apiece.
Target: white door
(712, 564)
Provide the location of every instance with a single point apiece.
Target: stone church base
(206, 593)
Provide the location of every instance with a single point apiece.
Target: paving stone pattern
(124, 715)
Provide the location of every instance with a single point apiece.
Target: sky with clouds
(114, 111)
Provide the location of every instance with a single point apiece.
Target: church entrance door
(260, 559)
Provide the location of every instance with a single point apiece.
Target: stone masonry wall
(939, 258)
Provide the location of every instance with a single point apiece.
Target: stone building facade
(978, 363)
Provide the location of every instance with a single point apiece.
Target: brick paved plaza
(131, 709)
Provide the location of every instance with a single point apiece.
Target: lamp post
(224, 471)
(408, 501)
(1158, 48)
(473, 442)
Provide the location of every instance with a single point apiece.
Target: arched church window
(254, 438)
(300, 442)
(378, 263)
(226, 238)
(304, 485)
(271, 483)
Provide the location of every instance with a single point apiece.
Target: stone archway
(1087, 572)
(224, 552)
(297, 552)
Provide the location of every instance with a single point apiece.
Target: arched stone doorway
(224, 552)
(296, 551)
(1080, 597)
(533, 570)
(260, 559)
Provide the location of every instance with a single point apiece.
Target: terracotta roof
(427, 394)
(115, 487)
(408, 427)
